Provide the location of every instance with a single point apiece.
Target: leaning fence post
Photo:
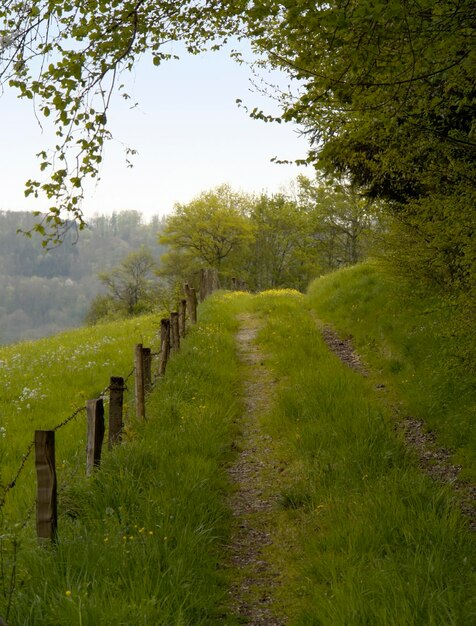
(174, 331)
(164, 345)
(46, 495)
(116, 403)
(147, 358)
(182, 316)
(95, 415)
(139, 381)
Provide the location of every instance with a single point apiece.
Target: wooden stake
(116, 403)
(191, 296)
(164, 345)
(182, 316)
(95, 414)
(46, 498)
(139, 382)
(147, 357)
(174, 331)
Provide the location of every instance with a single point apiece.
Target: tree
(343, 221)
(210, 231)
(387, 99)
(386, 95)
(282, 253)
(129, 285)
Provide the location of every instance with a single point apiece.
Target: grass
(362, 536)
(415, 343)
(44, 382)
(140, 542)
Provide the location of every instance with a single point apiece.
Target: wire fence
(171, 330)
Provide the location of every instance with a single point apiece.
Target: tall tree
(210, 230)
(343, 222)
(282, 254)
(387, 95)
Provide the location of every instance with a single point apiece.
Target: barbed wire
(9, 486)
(12, 483)
(69, 419)
(129, 375)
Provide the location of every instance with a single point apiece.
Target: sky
(189, 133)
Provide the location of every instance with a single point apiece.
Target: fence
(172, 330)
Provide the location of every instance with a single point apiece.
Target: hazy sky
(188, 131)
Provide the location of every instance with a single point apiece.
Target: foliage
(279, 240)
(129, 285)
(283, 251)
(386, 93)
(67, 57)
(344, 223)
(211, 229)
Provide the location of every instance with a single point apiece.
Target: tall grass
(417, 345)
(362, 535)
(141, 541)
(44, 382)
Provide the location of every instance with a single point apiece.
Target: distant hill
(43, 292)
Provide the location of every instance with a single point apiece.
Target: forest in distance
(44, 292)
(121, 265)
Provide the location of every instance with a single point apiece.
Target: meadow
(360, 535)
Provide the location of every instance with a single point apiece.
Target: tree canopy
(267, 241)
(67, 57)
(386, 95)
(211, 228)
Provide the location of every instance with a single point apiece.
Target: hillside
(44, 292)
(268, 484)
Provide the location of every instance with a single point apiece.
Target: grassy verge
(416, 346)
(140, 542)
(362, 536)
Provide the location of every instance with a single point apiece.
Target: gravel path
(252, 501)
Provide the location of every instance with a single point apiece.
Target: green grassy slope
(414, 344)
(140, 541)
(361, 536)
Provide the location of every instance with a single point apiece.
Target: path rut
(253, 500)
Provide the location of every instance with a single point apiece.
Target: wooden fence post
(95, 415)
(182, 316)
(46, 498)
(191, 296)
(147, 357)
(174, 331)
(139, 381)
(203, 285)
(164, 345)
(116, 403)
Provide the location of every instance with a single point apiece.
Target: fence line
(172, 330)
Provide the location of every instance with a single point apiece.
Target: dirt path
(253, 500)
